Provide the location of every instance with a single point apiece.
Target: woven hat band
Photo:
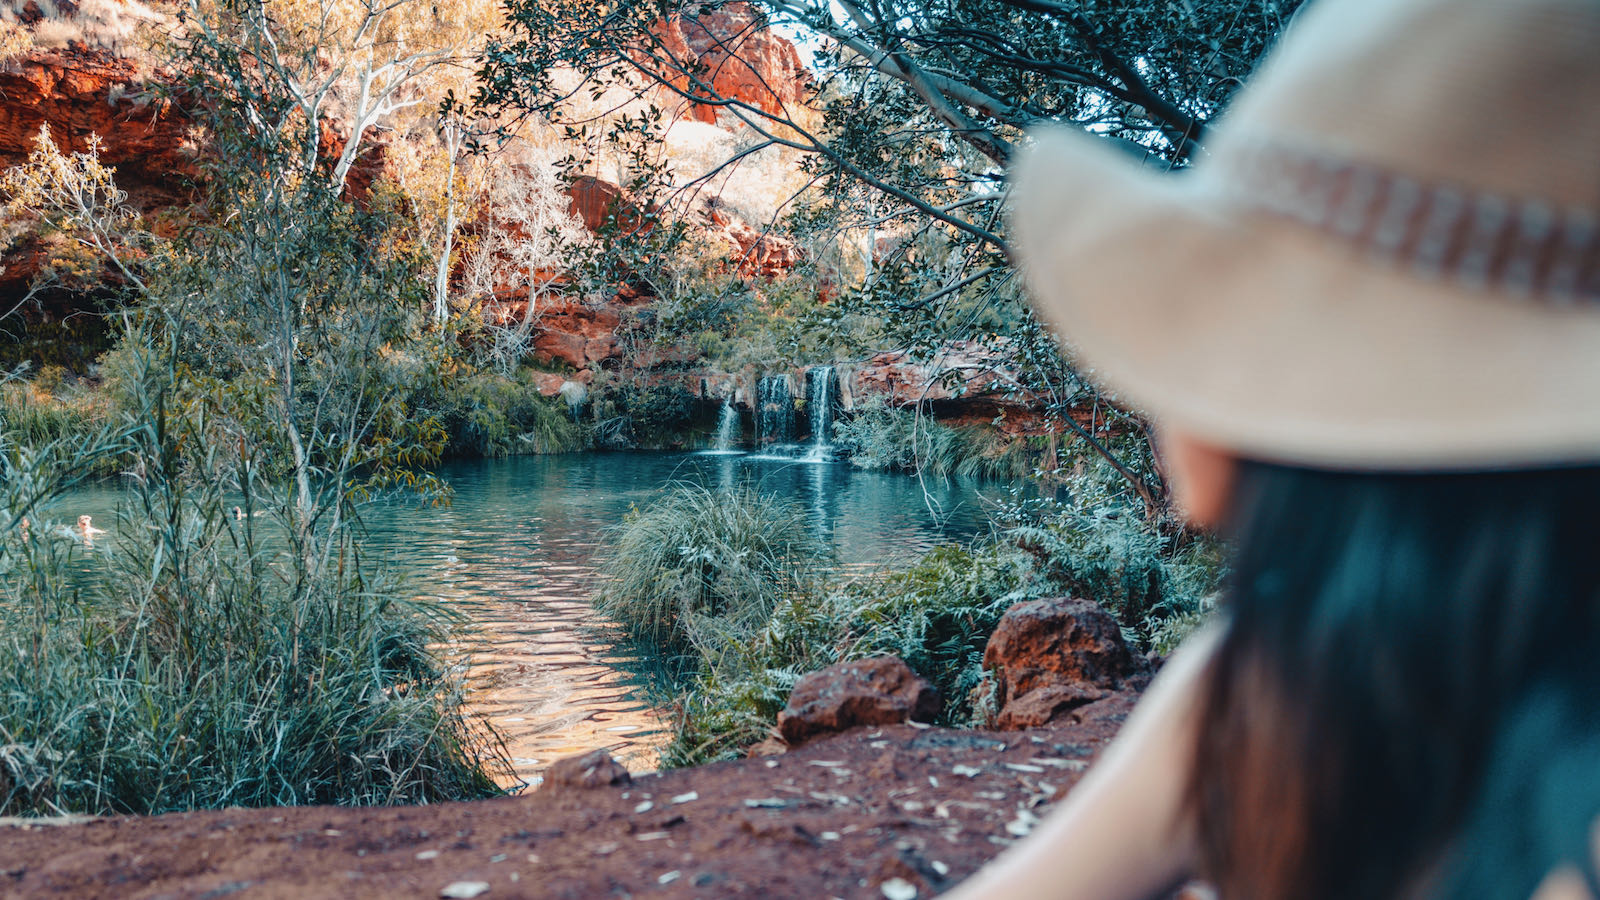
(1525, 248)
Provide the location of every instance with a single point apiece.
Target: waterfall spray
(727, 425)
(824, 393)
(774, 410)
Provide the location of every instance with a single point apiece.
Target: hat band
(1523, 247)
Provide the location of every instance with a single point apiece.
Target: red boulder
(880, 690)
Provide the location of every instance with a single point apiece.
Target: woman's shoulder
(1565, 883)
(1570, 883)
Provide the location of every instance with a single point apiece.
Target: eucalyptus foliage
(230, 643)
(916, 112)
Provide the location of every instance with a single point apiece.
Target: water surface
(517, 549)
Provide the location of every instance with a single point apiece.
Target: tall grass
(696, 572)
(185, 665)
(43, 410)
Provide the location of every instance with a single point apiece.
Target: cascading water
(727, 425)
(576, 395)
(774, 410)
(823, 383)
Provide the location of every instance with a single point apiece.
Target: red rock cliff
(743, 60)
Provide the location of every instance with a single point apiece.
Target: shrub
(631, 415)
(880, 436)
(184, 665)
(490, 415)
(938, 615)
(699, 571)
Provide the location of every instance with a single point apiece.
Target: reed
(184, 665)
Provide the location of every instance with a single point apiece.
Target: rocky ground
(896, 811)
(858, 802)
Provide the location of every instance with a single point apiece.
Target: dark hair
(1406, 702)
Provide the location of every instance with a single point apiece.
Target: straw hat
(1388, 255)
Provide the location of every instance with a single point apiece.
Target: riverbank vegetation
(319, 321)
(745, 615)
(232, 644)
(698, 571)
(897, 439)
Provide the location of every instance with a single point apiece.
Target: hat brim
(1266, 337)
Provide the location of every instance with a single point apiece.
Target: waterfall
(774, 410)
(727, 425)
(576, 395)
(824, 394)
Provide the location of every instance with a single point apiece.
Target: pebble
(968, 771)
(669, 877)
(898, 889)
(1071, 765)
(464, 890)
(940, 867)
(428, 854)
(685, 798)
(1022, 824)
(644, 807)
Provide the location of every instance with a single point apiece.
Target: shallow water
(516, 552)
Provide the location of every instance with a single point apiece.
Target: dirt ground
(868, 814)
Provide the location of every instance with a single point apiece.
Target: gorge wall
(89, 83)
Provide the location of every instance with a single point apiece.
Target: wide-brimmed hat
(1387, 255)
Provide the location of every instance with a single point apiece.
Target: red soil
(837, 817)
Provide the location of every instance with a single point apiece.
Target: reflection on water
(516, 552)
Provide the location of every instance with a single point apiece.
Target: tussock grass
(38, 412)
(696, 572)
(143, 681)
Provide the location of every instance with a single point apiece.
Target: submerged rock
(880, 690)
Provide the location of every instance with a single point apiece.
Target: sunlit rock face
(86, 92)
(80, 69)
(743, 61)
(82, 92)
(77, 68)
